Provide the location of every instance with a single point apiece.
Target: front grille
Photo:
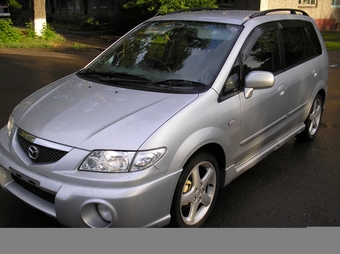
(46, 154)
(35, 190)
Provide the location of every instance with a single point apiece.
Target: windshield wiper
(113, 77)
(179, 83)
(116, 79)
(140, 82)
(126, 76)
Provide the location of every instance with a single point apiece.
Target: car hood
(87, 115)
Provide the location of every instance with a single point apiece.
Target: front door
(263, 114)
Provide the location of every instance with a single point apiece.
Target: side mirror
(258, 80)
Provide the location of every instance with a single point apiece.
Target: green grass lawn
(332, 40)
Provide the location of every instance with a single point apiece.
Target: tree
(165, 6)
(38, 16)
(13, 4)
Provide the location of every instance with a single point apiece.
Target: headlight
(10, 125)
(118, 161)
(146, 159)
(107, 161)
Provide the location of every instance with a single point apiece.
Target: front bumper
(137, 199)
(147, 205)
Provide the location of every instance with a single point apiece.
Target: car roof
(212, 15)
(236, 17)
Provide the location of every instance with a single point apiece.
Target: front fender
(199, 139)
(203, 122)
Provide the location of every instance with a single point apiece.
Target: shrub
(47, 33)
(8, 33)
(29, 30)
(13, 37)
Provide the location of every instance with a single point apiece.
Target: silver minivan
(147, 133)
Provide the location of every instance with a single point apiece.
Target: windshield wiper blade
(127, 75)
(179, 83)
(116, 79)
(112, 77)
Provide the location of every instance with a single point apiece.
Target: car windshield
(166, 56)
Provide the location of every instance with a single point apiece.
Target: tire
(313, 120)
(196, 191)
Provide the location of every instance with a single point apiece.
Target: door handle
(315, 72)
(282, 89)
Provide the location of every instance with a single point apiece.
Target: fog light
(104, 212)
(98, 214)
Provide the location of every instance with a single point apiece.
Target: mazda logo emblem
(33, 152)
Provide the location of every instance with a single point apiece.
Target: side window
(233, 80)
(295, 45)
(260, 52)
(264, 55)
(232, 84)
(314, 41)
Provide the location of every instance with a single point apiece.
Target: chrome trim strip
(38, 141)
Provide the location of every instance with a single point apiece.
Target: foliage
(78, 45)
(332, 45)
(14, 37)
(331, 35)
(166, 6)
(14, 4)
(120, 22)
(30, 30)
(332, 40)
(8, 33)
(48, 33)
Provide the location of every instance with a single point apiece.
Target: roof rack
(263, 13)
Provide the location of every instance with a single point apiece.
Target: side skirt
(234, 171)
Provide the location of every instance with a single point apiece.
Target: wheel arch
(218, 157)
(322, 93)
(215, 150)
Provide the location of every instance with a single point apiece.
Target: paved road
(296, 186)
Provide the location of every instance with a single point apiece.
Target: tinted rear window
(295, 45)
(314, 40)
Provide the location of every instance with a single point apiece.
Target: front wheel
(196, 191)
(313, 120)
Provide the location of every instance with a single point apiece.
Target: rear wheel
(196, 191)
(313, 120)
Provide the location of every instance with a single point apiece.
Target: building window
(335, 3)
(62, 4)
(103, 4)
(70, 4)
(307, 2)
(225, 3)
